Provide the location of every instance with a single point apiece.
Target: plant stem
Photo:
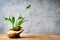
(13, 26)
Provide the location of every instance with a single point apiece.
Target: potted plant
(16, 25)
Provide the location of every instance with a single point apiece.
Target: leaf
(13, 19)
(28, 6)
(19, 17)
(20, 21)
(6, 19)
(9, 18)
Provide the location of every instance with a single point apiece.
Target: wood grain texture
(32, 37)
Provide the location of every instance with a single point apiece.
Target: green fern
(16, 23)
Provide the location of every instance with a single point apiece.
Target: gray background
(43, 16)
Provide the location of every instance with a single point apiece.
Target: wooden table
(32, 37)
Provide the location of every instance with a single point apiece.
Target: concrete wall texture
(43, 16)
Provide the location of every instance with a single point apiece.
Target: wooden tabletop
(32, 37)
